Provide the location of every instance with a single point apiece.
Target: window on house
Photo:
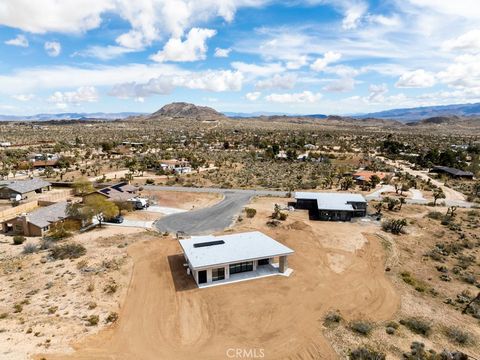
(241, 267)
(218, 274)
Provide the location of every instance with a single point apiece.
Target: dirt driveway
(164, 316)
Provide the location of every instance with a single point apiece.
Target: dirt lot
(165, 316)
(47, 302)
(182, 200)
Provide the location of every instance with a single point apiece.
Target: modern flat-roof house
(24, 188)
(234, 257)
(37, 222)
(332, 206)
(452, 172)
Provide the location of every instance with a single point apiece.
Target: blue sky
(294, 56)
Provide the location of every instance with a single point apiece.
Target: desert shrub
(332, 317)
(46, 244)
(436, 215)
(419, 285)
(250, 212)
(364, 353)
(29, 248)
(93, 320)
(361, 327)
(112, 317)
(3, 315)
(91, 287)
(19, 240)
(52, 309)
(282, 216)
(111, 287)
(149, 181)
(457, 335)
(418, 326)
(465, 261)
(17, 308)
(394, 226)
(67, 251)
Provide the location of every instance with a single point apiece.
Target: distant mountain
(268, 113)
(69, 116)
(425, 112)
(187, 111)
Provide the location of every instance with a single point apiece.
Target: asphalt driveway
(211, 219)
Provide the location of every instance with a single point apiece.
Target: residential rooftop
(42, 217)
(207, 251)
(453, 171)
(25, 186)
(332, 201)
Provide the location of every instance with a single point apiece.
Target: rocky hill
(188, 111)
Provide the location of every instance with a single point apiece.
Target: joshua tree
(438, 194)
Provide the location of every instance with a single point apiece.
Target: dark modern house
(452, 172)
(332, 206)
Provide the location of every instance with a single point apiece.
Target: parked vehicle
(115, 220)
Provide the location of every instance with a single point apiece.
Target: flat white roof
(235, 248)
(331, 201)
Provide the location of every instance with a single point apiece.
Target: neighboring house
(173, 164)
(117, 193)
(363, 177)
(37, 222)
(332, 206)
(452, 172)
(23, 189)
(226, 258)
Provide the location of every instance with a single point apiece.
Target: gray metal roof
(332, 201)
(236, 248)
(42, 217)
(25, 186)
(452, 171)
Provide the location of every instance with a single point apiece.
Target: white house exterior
(214, 259)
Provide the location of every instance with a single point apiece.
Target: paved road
(213, 218)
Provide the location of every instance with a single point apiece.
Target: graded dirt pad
(182, 200)
(165, 316)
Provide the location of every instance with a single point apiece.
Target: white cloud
(53, 48)
(416, 79)
(294, 98)
(286, 81)
(353, 14)
(192, 49)
(104, 52)
(340, 85)
(470, 41)
(82, 94)
(222, 53)
(54, 77)
(258, 70)
(296, 62)
(150, 20)
(377, 92)
(328, 58)
(464, 72)
(216, 81)
(23, 97)
(252, 96)
(19, 40)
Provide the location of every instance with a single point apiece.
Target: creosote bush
(418, 326)
(361, 327)
(67, 251)
(250, 212)
(332, 317)
(19, 240)
(458, 336)
(364, 353)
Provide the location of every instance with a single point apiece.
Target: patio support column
(283, 266)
